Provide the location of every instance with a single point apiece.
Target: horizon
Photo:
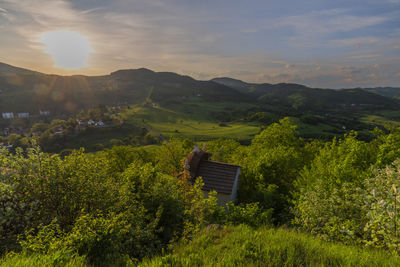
(345, 44)
(221, 77)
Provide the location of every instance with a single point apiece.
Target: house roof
(217, 176)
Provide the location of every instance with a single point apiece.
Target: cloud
(198, 39)
(329, 21)
(357, 42)
(367, 56)
(311, 28)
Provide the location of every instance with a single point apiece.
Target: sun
(70, 50)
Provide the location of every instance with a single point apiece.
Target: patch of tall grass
(59, 258)
(244, 246)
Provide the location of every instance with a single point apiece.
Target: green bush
(249, 214)
(382, 208)
(104, 206)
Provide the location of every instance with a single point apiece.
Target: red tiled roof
(217, 176)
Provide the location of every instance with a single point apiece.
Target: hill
(239, 85)
(28, 91)
(393, 92)
(170, 104)
(300, 97)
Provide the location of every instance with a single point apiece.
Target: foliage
(334, 215)
(244, 246)
(270, 166)
(59, 258)
(123, 204)
(105, 206)
(169, 157)
(249, 214)
(342, 197)
(382, 208)
(223, 150)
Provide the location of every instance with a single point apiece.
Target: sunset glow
(329, 44)
(70, 50)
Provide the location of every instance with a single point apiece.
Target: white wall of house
(235, 185)
(7, 115)
(23, 115)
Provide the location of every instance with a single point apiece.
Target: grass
(206, 130)
(380, 120)
(59, 258)
(243, 246)
(196, 125)
(320, 130)
(236, 246)
(94, 139)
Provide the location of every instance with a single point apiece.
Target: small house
(80, 123)
(8, 115)
(24, 115)
(44, 112)
(58, 130)
(217, 176)
(100, 124)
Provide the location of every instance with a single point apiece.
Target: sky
(319, 43)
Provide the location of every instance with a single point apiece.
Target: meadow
(245, 246)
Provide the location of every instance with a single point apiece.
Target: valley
(170, 105)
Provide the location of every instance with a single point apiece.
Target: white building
(8, 115)
(100, 124)
(23, 115)
(44, 112)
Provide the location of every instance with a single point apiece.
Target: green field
(380, 120)
(197, 124)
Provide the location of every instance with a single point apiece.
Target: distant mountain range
(303, 97)
(23, 90)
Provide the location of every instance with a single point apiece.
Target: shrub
(249, 214)
(383, 208)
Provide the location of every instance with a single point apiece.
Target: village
(16, 126)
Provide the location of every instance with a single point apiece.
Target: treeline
(345, 190)
(125, 204)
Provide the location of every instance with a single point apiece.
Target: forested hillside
(300, 97)
(28, 91)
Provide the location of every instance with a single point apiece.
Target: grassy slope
(57, 259)
(193, 120)
(98, 138)
(243, 246)
(238, 246)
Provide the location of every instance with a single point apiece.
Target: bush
(382, 208)
(249, 214)
(104, 206)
